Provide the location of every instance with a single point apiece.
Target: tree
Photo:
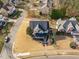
(29, 31)
(71, 7)
(73, 45)
(1, 4)
(57, 13)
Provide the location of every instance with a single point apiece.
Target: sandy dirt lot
(63, 42)
(24, 43)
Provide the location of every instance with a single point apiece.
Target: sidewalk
(47, 53)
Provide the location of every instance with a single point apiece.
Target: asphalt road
(7, 49)
(57, 57)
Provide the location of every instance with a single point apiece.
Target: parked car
(7, 39)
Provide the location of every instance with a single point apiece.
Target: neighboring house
(2, 22)
(42, 6)
(3, 12)
(68, 26)
(45, 6)
(9, 9)
(11, 1)
(15, 1)
(40, 29)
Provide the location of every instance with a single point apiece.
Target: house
(68, 26)
(2, 22)
(15, 2)
(11, 1)
(40, 29)
(43, 6)
(11, 9)
(7, 10)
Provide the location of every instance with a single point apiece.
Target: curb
(48, 53)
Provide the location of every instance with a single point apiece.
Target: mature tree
(57, 13)
(71, 6)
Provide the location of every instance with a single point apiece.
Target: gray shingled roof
(43, 23)
(37, 29)
(70, 21)
(65, 24)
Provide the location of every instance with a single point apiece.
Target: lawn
(1, 42)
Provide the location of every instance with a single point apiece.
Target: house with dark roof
(40, 29)
(2, 22)
(11, 1)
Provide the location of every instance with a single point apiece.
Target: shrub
(77, 17)
(73, 45)
(57, 13)
(15, 15)
(1, 4)
(29, 31)
(60, 33)
(52, 38)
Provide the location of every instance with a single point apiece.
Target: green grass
(1, 42)
(77, 18)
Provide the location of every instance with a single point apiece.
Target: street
(57, 57)
(7, 49)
